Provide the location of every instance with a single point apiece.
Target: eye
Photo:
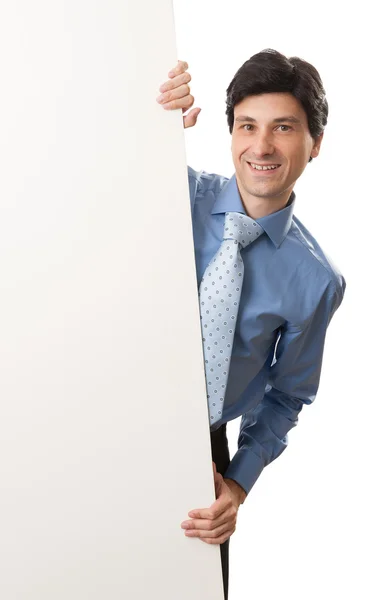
(247, 125)
(287, 127)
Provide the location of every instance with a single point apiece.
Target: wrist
(238, 492)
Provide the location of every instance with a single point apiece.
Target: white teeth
(259, 168)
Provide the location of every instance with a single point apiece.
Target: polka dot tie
(219, 296)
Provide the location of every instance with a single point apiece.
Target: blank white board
(104, 435)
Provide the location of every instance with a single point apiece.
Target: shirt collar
(276, 225)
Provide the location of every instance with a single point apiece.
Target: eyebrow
(287, 119)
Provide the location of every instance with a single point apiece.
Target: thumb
(218, 479)
(191, 119)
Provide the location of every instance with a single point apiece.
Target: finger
(186, 102)
(213, 512)
(181, 67)
(175, 82)
(212, 534)
(180, 92)
(220, 540)
(210, 524)
(191, 119)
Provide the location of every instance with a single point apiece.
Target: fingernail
(171, 74)
(185, 525)
(160, 98)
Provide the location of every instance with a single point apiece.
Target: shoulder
(319, 263)
(201, 182)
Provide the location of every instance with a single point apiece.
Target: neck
(260, 206)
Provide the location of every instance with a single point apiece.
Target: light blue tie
(219, 296)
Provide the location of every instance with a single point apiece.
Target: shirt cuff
(245, 468)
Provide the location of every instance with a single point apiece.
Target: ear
(316, 147)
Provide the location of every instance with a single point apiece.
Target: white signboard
(104, 434)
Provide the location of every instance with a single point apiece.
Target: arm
(293, 381)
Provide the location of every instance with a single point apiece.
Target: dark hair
(270, 71)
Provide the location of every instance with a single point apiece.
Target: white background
(316, 525)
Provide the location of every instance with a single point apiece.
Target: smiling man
(270, 152)
(267, 291)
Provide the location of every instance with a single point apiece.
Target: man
(267, 290)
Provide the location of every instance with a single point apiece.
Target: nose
(263, 143)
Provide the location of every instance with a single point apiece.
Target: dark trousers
(220, 455)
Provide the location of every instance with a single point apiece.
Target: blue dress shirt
(290, 292)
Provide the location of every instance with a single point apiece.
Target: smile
(263, 169)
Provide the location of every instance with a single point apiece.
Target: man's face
(271, 129)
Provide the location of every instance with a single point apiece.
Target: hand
(176, 94)
(216, 524)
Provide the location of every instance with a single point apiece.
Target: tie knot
(241, 228)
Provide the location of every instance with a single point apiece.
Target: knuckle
(221, 531)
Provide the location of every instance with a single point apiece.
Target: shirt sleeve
(293, 381)
(193, 179)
